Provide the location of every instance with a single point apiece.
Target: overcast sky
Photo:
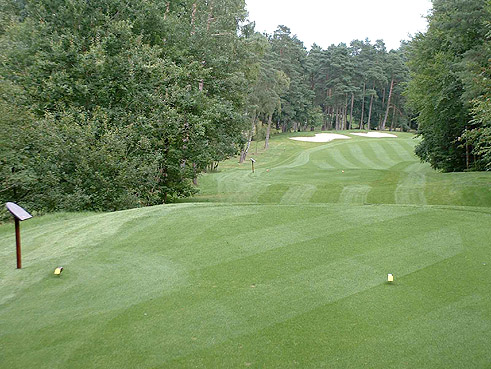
(331, 22)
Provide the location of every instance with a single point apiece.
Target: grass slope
(267, 284)
(376, 171)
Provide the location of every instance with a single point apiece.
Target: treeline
(342, 87)
(450, 85)
(112, 104)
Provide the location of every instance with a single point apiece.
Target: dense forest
(113, 104)
(450, 85)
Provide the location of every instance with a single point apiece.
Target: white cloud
(332, 22)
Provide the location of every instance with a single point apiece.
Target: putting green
(296, 277)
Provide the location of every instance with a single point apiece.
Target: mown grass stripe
(298, 194)
(354, 194)
(393, 150)
(406, 149)
(336, 158)
(365, 162)
(411, 190)
(265, 285)
(381, 154)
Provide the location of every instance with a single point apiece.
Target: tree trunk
(351, 111)
(167, 10)
(344, 116)
(388, 103)
(193, 16)
(362, 107)
(331, 117)
(337, 119)
(345, 120)
(370, 111)
(210, 16)
(340, 118)
(324, 118)
(268, 131)
(195, 174)
(341, 123)
(392, 125)
(383, 104)
(243, 154)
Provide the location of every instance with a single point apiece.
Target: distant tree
(291, 58)
(397, 73)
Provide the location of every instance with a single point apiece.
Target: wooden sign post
(19, 215)
(252, 162)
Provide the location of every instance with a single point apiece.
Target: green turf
(376, 171)
(283, 268)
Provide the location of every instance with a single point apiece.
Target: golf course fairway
(285, 267)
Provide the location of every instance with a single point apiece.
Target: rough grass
(293, 276)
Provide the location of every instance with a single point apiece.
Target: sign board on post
(19, 215)
(252, 162)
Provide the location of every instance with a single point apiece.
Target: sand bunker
(374, 134)
(321, 137)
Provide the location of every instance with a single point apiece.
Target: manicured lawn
(283, 268)
(376, 171)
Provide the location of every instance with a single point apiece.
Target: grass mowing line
(303, 157)
(371, 149)
(395, 151)
(249, 309)
(355, 194)
(321, 164)
(411, 189)
(318, 168)
(61, 245)
(365, 162)
(298, 194)
(405, 148)
(348, 154)
(275, 155)
(230, 285)
(224, 314)
(382, 154)
(320, 286)
(336, 158)
(337, 244)
(259, 239)
(452, 345)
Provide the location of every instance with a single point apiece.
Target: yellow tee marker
(58, 270)
(390, 278)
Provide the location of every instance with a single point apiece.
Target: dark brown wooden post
(17, 243)
(19, 215)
